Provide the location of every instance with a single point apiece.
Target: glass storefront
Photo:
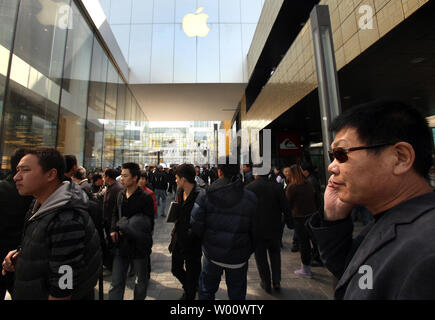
(63, 90)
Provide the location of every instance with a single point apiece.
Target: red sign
(289, 144)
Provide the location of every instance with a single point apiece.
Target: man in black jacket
(223, 218)
(132, 226)
(13, 210)
(272, 205)
(109, 205)
(381, 156)
(60, 255)
(185, 246)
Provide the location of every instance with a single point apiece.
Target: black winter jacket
(139, 203)
(399, 249)
(273, 209)
(182, 238)
(38, 265)
(223, 217)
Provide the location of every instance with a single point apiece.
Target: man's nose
(333, 167)
(17, 176)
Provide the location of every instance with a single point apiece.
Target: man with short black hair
(185, 246)
(109, 205)
(381, 157)
(70, 166)
(273, 209)
(132, 227)
(58, 234)
(223, 218)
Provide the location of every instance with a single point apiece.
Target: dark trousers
(186, 270)
(273, 248)
(210, 278)
(303, 239)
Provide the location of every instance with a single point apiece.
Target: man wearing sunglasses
(381, 156)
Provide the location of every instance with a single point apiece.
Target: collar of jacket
(67, 195)
(124, 192)
(384, 231)
(192, 195)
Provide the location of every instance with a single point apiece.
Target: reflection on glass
(119, 129)
(97, 100)
(110, 117)
(8, 12)
(31, 108)
(71, 127)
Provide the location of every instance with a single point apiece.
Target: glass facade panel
(211, 8)
(185, 57)
(125, 124)
(229, 11)
(110, 117)
(74, 99)
(164, 11)
(119, 130)
(142, 11)
(162, 62)
(183, 7)
(231, 53)
(140, 53)
(8, 13)
(31, 109)
(208, 51)
(97, 101)
(62, 91)
(120, 11)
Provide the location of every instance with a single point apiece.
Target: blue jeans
(119, 277)
(161, 201)
(210, 279)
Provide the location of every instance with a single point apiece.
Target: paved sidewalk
(164, 286)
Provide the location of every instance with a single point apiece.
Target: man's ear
(51, 174)
(404, 158)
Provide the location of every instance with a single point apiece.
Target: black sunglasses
(340, 153)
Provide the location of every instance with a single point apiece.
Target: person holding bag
(186, 247)
(132, 226)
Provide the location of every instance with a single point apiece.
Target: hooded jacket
(223, 217)
(60, 232)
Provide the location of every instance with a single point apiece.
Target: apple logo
(196, 24)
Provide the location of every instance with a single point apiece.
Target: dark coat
(33, 269)
(109, 202)
(138, 229)
(272, 204)
(139, 203)
(13, 208)
(301, 199)
(183, 240)
(399, 248)
(249, 177)
(223, 217)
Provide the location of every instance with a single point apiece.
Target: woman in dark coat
(301, 197)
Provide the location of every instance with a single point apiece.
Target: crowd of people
(61, 226)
